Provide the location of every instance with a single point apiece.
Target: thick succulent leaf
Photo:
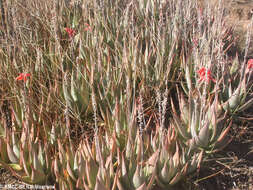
(165, 175)
(120, 186)
(159, 182)
(233, 101)
(124, 173)
(246, 105)
(223, 140)
(195, 162)
(38, 177)
(18, 113)
(56, 168)
(138, 178)
(235, 66)
(36, 163)
(99, 185)
(3, 153)
(184, 108)
(203, 138)
(24, 163)
(177, 177)
(73, 88)
(91, 172)
(76, 161)
(188, 78)
(11, 155)
(224, 133)
(70, 172)
(15, 145)
(66, 93)
(153, 159)
(151, 181)
(180, 127)
(2, 131)
(173, 169)
(16, 167)
(142, 187)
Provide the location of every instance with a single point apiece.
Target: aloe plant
(90, 108)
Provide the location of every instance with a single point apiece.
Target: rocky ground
(238, 15)
(232, 168)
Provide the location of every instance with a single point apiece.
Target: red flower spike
(250, 64)
(205, 75)
(23, 76)
(71, 32)
(88, 27)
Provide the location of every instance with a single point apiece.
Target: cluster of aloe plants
(127, 95)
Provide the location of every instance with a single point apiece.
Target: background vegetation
(116, 95)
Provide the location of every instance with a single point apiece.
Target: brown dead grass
(231, 168)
